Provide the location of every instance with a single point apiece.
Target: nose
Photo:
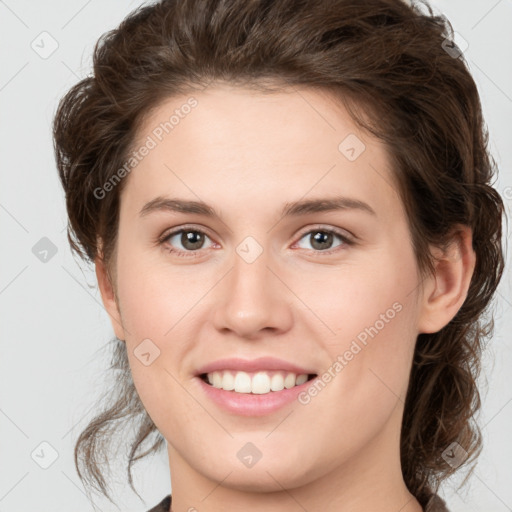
(254, 298)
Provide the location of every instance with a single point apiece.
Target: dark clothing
(435, 504)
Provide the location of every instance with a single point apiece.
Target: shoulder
(163, 506)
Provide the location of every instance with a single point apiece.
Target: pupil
(321, 237)
(188, 237)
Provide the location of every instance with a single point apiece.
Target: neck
(369, 480)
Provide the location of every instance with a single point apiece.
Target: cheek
(371, 313)
(155, 295)
(349, 301)
(158, 304)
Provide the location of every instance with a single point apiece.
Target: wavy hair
(397, 72)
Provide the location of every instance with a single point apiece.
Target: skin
(246, 154)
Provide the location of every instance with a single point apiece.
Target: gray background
(54, 327)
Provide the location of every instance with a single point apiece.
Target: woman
(290, 212)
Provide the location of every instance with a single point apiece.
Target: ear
(108, 297)
(445, 291)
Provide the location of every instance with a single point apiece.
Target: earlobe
(108, 297)
(445, 291)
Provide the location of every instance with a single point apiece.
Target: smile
(260, 383)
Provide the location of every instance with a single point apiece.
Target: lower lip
(249, 404)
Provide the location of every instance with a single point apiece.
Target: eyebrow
(290, 209)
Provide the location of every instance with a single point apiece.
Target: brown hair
(389, 65)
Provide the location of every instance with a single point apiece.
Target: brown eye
(321, 240)
(191, 240)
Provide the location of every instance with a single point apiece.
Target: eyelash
(191, 254)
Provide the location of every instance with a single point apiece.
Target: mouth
(255, 383)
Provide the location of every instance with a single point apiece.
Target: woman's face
(333, 292)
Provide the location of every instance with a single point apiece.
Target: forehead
(249, 116)
(226, 140)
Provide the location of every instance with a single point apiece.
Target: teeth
(258, 383)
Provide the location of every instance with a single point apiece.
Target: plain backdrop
(54, 328)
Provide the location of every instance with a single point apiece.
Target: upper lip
(253, 365)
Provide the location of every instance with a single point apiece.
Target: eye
(321, 239)
(191, 239)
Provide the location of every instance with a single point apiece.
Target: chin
(263, 477)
